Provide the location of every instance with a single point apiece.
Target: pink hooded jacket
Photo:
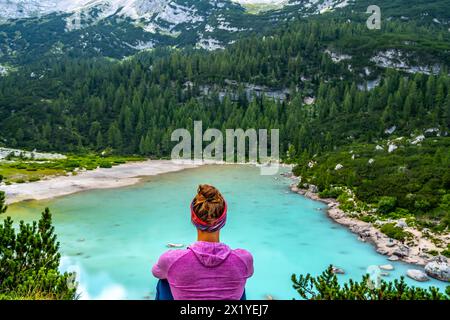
(205, 271)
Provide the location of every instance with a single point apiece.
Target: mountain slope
(116, 28)
(34, 29)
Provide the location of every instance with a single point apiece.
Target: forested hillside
(317, 101)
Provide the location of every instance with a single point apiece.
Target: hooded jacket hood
(210, 254)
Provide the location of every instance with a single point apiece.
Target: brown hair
(208, 204)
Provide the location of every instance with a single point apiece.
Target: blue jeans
(163, 291)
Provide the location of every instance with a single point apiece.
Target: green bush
(446, 253)
(297, 170)
(330, 193)
(394, 232)
(106, 165)
(368, 219)
(387, 204)
(422, 205)
(433, 252)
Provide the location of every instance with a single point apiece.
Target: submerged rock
(175, 245)
(417, 275)
(387, 267)
(287, 174)
(439, 269)
(393, 258)
(337, 270)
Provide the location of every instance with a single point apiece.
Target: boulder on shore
(401, 251)
(401, 224)
(391, 243)
(438, 268)
(417, 275)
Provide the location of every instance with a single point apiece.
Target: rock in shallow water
(387, 267)
(439, 269)
(337, 270)
(417, 275)
(393, 258)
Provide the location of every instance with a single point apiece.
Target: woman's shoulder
(170, 256)
(247, 259)
(243, 254)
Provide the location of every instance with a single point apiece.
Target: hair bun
(208, 204)
(208, 192)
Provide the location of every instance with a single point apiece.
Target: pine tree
(99, 140)
(3, 207)
(29, 263)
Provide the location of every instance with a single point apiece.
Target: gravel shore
(101, 178)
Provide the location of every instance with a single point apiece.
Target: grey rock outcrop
(312, 188)
(438, 268)
(417, 275)
(401, 251)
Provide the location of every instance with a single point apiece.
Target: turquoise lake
(111, 238)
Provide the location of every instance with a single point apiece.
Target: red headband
(204, 226)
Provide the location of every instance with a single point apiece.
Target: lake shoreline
(123, 175)
(394, 249)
